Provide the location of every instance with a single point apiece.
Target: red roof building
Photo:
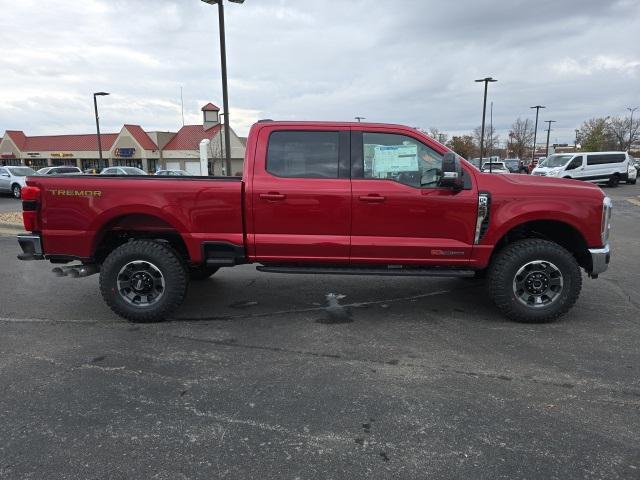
(132, 146)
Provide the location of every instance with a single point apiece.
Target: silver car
(122, 171)
(13, 179)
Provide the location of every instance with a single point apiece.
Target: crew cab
(319, 197)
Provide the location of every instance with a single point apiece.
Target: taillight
(30, 194)
(30, 206)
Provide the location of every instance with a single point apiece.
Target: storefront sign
(8, 155)
(61, 154)
(125, 152)
(32, 154)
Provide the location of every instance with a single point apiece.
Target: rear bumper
(600, 258)
(31, 247)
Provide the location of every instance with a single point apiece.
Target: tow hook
(76, 271)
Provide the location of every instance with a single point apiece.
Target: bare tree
(491, 138)
(436, 134)
(624, 133)
(521, 136)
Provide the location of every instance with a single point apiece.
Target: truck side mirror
(451, 172)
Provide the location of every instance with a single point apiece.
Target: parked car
(495, 167)
(63, 170)
(324, 198)
(632, 174)
(123, 171)
(512, 164)
(13, 179)
(173, 173)
(597, 167)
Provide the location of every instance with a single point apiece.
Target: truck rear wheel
(534, 281)
(143, 281)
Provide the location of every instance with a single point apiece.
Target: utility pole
(486, 81)
(631, 127)
(548, 133)
(490, 135)
(535, 133)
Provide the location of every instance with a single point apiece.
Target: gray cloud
(408, 61)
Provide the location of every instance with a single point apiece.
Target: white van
(610, 167)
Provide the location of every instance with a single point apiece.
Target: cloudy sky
(406, 61)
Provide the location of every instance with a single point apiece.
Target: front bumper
(600, 258)
(31, 247)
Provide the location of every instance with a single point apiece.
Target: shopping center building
(131, 146)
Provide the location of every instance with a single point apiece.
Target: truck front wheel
(534, 281)
(143, 281)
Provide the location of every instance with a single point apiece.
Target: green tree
(595, 135)
(463, 145)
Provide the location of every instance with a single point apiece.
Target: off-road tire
(514, 256)
(200, 273)
(163, 257)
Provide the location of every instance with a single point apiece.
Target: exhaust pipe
(76, 271)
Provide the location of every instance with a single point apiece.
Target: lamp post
(535, 132)
(359, 119)
(576, 142)
(486, 81)
(631, 127)
(95, 106)
(225, 94)
(546, 153)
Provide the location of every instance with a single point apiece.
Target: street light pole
(631, 127)
(359, 119)
(576, 142)
(546, 153)
(225, 93)
(535, 133)
(486, 81)
(95, 106)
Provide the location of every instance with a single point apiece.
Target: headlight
(606, 220)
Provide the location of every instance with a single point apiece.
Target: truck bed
(76, 211)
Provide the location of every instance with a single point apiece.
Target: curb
(10, 229)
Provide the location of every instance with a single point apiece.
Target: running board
(384, 271)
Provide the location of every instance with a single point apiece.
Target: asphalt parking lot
(8, 203)
(274, 376)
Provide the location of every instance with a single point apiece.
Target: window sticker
(388, 159)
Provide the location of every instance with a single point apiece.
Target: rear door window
(303, 154)
(604, 158)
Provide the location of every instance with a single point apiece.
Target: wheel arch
(133, 226)
(557, 231)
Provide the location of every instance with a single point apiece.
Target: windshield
(21, 171)
(555, 161)
(133, 171)
(493, 165)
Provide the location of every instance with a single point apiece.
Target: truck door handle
(272, 196)
(373, 198)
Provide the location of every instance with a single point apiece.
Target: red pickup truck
(335, 198)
